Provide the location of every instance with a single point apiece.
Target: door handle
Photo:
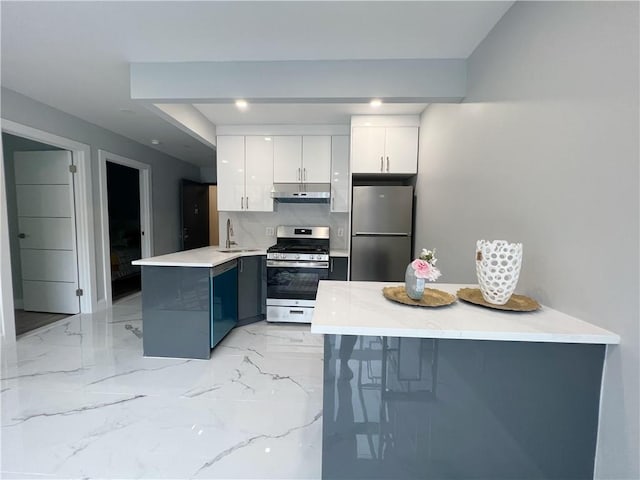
(22, 235)
(387, 164)
(381, 164)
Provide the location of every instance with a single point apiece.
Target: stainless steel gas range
(295, 265)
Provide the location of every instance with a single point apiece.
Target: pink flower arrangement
(424, 266)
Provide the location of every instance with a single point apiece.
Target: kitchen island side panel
(409, 408)
(176, 312)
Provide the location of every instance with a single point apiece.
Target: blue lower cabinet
(224, 300)
(186, 311)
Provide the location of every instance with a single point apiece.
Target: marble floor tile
(79, 400)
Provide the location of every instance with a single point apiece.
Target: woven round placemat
(430, 298)
(517, 303)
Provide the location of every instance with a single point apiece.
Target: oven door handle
(284, 263)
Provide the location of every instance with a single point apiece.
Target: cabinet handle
(241, 265)
(305, 174)
(332, 264)
(22, 235)
(382, 164)
(241, 203)
(247, 203)
(299, 175)
(387, 164)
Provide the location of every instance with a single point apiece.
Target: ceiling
(297, 113)
(75, 56)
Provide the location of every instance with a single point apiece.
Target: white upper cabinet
(245, 173)
(287, 159)
(401, 150)
(230, 172)
(258, 174)
(367, 149)
(340, 177)
(379, 150)
(316, 159)
(302, 159)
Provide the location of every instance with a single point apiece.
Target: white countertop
(358, 308)
(198, 257)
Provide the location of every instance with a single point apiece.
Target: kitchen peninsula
(190, 298)
(460, 391)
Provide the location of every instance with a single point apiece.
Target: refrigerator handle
(384, 234)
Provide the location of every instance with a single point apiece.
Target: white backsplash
(250, 228)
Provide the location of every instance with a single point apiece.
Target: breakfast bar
(455, 392)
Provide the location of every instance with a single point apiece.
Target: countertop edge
(469, 335)
(223, 258)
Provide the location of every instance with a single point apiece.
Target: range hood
(301, 192)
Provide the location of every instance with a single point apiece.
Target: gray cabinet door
(338, 268)
(251, 292)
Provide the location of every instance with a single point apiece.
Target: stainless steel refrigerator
(381, 232)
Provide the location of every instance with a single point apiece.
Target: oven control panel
(319, 257)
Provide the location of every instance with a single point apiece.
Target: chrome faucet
(229, 242)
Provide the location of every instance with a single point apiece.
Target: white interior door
(47, 231)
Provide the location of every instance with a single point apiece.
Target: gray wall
(11, 144)
(166, 170)
(545, 151)
(208, 174)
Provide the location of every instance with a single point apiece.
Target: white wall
(545, 151)
(166, 171)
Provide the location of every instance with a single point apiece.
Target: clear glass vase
(413, 285)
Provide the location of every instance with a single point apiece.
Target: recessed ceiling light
(155, 142)
(268, 139)
(375, 103)
(242, 104)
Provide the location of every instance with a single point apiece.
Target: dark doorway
(195, 214)
(123, 196)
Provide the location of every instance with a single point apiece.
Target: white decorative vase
(498, 267)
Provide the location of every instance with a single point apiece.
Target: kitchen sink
(238, 250)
